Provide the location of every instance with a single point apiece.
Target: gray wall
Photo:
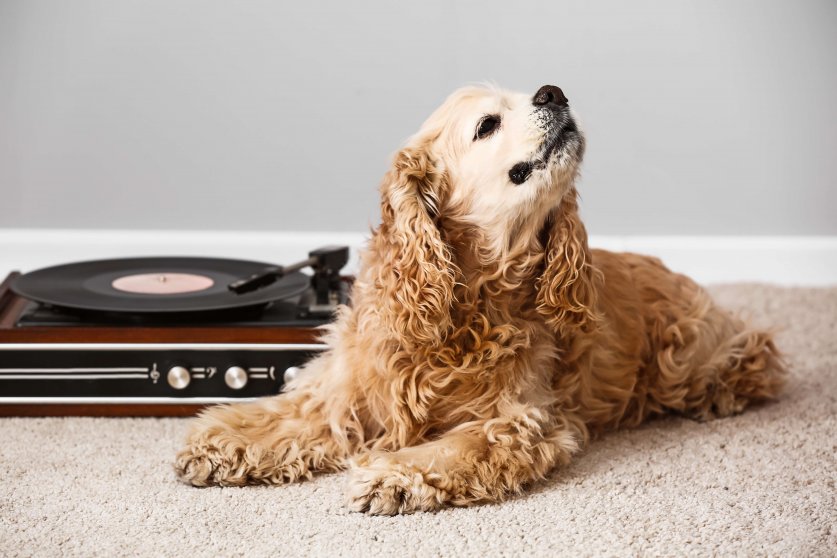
(702, 117)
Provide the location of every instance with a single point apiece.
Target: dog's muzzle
(551, 101)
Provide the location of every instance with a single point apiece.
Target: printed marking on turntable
(258, 372)
(203, 372)
(76, 373)
(74, 377)
(154, 374)
(106, 370)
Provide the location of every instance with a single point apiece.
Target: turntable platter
(159, 285)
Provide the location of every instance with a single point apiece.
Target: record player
(160, 336)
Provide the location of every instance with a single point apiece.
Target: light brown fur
(482, 351)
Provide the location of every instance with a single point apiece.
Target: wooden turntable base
(13, 306)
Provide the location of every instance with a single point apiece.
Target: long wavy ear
(416, 271)
(566, 290)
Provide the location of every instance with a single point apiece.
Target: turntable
(160, 336)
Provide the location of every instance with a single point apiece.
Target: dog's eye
(486, 127)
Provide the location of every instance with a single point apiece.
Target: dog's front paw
(207, 465)
(382, 486)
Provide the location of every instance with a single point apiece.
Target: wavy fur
(473, 361)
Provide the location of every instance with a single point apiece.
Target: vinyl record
(153, 285)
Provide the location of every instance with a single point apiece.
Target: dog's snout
(550, 95)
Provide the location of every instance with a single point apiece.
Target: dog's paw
(382, 486)
(207, 465)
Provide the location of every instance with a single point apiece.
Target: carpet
(762, 483)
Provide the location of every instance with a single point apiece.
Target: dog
(486, 343)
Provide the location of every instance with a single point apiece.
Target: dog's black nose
(550, 95)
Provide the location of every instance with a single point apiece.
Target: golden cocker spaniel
(486, 343)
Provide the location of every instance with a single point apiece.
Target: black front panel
(147, 372)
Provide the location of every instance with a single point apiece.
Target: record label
(162, 283)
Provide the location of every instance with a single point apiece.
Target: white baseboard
(786, 260)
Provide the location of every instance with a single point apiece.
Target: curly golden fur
(486, 343)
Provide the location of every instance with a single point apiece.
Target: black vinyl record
(161, 285)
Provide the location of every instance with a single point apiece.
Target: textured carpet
(762, 483)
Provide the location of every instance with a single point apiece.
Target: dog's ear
(416, 272)
(566, 290)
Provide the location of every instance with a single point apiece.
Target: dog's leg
(747, 368)
(480, 461)
(713, 365)
(271, 441)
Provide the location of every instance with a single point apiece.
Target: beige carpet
(762, 483)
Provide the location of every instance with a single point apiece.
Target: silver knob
(291, 373)
(235, 377)
(178, 377)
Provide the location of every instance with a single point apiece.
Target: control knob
(178, 377)
(235, 377)
(291, 373)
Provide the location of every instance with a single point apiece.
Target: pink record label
(162, 283)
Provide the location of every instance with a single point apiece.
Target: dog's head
(498, 164)
(508, 158)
